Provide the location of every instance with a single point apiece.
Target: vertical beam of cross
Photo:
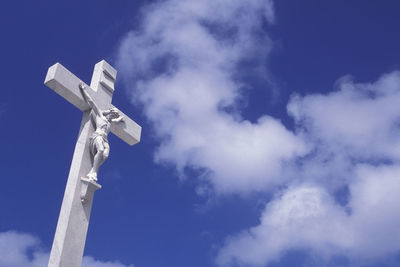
(69, 241)
(73, 221)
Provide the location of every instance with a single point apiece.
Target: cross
(73, 222)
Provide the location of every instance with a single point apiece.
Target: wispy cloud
(91, 262)
(25, 250)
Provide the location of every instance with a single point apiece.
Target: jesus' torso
(101, 124)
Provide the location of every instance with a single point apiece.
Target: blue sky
(270, 131)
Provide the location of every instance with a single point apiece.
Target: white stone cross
(73, 222)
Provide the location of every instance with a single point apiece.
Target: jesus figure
(98, 142)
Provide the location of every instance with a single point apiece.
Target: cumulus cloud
(356, 123)
(300, 218)
(307, 217)
(354, 135)
(182, 65)
(360, 120)
(19, 249)
(25, 250)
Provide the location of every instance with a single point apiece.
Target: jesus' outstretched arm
(120, 118)
(89, 100)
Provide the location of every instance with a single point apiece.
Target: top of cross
(66, 84)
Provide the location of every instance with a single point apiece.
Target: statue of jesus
(98, 142)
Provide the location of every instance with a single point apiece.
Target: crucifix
(91, 150)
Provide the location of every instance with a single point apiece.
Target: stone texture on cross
(70, 237)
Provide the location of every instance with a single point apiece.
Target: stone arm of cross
(66, 84)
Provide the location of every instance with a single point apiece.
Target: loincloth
(92, 141)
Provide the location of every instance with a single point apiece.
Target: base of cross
(88, 187)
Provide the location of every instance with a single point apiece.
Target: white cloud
(182, 65)
(24, 250)
(301, 217)
(307, 217)
(197, 45)
(360, 120)
(21, 250)
(375, 202)
(91, 262)
(358, 123)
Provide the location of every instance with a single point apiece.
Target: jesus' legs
(102, 151)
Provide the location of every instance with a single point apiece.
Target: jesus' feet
(92, 176)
